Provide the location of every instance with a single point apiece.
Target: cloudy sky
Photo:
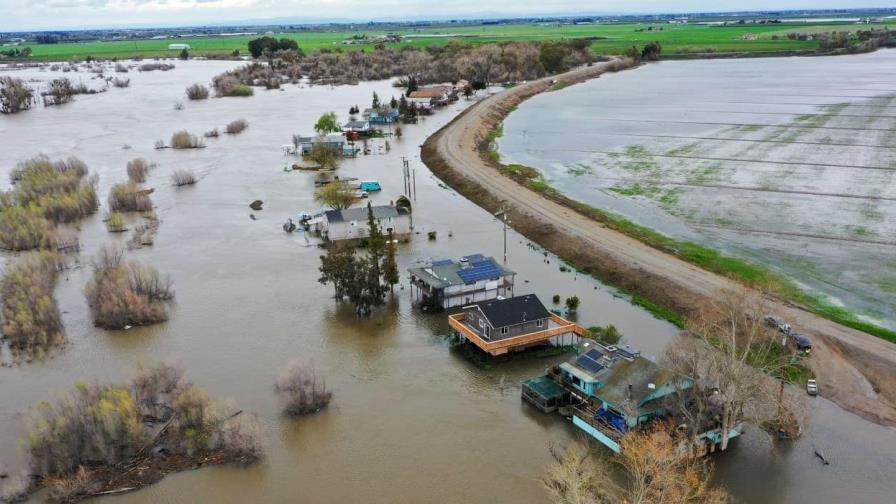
(37, 14)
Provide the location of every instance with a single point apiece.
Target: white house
(351, 223)
(472, 279)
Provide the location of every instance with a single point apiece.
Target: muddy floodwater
(789, 162)
(412, 419)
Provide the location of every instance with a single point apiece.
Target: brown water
(412, 420)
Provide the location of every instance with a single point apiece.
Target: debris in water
(256, 205)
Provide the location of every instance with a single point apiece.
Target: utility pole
(414, 178)
(502, 214)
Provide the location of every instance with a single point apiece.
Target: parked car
(802, 343)
(812, 387)
(778, 323)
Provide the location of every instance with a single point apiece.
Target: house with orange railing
(512, 324)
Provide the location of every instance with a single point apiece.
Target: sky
(18, 15)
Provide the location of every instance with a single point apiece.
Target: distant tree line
(480, 64)
(268, 46)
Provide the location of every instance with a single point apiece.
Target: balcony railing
(495, 347)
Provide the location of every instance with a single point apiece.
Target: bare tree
(730, 354)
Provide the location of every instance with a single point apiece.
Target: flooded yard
(412, 420)
(788, 162)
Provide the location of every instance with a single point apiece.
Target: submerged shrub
(185, 140)
(235, 127)
(301, 390)
(126, 294)
(197, 92)
(212, 133)
(183, 177)
(15, 95)
(115, 223)
(25, 228)
(228, 85)
(137, 169)
(129, 198)
(101, 426)
(32, 322)
(121, 83)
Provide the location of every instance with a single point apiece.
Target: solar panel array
(442, 262)
(625, 353)
(588, 363)
(479, 270)
(594, 354)
(474, 257)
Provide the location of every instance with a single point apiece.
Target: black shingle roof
(515, 310)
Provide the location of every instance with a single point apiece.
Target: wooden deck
(502, 346)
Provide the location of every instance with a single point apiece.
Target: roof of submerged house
(468, 270)
(622, 374)
(334, 138)
(512, 311)
(431, 92)
(360, 213)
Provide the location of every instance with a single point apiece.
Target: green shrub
(115, 223)
(25, 228)
(32, 322)
(129, 198)
(608, 335)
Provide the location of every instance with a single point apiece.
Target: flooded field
(412, 420)
(788, 162)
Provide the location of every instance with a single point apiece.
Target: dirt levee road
(855, 370)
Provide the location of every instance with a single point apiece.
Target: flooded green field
(787, 162)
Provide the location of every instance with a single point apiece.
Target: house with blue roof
(446, 283)
(613, 390)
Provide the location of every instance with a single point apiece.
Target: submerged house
(612, 390)
(335, 141)
(361, 127)
(383, 115)
(435, 95)
(511, 324)
(351, 223)
(446, 283)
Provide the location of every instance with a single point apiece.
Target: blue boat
(370, 186)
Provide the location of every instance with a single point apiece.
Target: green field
(677, 40)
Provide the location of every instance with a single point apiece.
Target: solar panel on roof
(587, 363)
(442, 262)
(480, 270)
(594, 354)
(474, 257)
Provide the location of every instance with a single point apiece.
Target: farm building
(351, 223)
(178, 47)
(447, 284)
(505, 325)
(437, 95)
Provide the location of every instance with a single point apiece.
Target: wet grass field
(788, 163)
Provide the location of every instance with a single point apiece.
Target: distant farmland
(677, 40)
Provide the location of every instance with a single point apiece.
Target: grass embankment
(608, 38)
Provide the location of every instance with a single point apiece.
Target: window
(539, 323)
(481, 324)
(505, 330)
